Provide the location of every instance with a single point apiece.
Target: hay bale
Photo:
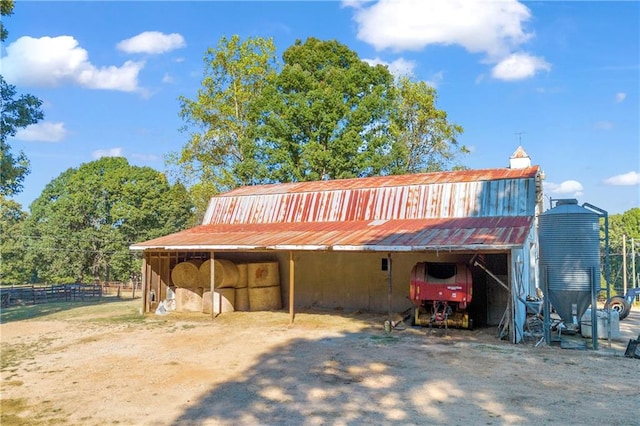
(186, 274)
(263, 274)
(242, 299)
(243, 279)
(265, 298)
(226, 273)
(223, 301)
(188, 299)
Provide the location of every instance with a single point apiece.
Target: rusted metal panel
(451, 234)
(454, 210)
(507, 197)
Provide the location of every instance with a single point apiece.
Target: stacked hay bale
(263, 281)
(242, 288)
(226, 278)
(188, 293)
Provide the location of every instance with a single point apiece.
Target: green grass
(111, 308)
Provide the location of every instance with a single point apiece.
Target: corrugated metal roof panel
(388, 181)
(376, 235)
(503, 197)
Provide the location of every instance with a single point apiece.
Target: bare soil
(107, 364)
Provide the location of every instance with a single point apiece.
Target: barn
(352, 244)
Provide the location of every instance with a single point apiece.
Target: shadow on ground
(359, 378)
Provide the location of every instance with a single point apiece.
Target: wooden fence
(33, 294)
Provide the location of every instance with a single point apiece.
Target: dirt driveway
(107, 364)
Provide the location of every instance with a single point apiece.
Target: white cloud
(152, 42)
(519, 66)
(603, 125)
(145, 157)
(493, 28)
(625, 179)
(620, 96)
(399, 67)
(111, 152)
(167, 78)
(44, 131)
(572, 187)
(54, 61)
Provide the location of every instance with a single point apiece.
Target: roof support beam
(389, 286)
(292, 275)
(212, 285)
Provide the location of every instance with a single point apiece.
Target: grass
(108, 307)
(12, 408)
(11, 356)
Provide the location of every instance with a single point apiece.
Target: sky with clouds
(562, 79)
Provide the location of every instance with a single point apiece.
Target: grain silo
(569, 238)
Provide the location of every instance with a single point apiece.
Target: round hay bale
(242, 299)
(186, 274)
(223, 301)
(188, 299)
(226, 273)
(263, 274)
(243, 279)
(265, 298)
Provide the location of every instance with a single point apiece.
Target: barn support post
(212, 284)
(145, 284)
(292, 274)
(389, 286)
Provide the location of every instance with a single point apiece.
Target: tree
(6, 9)
(425, 140)
(85, 220)
(15, 114)
(326, 116)
(13, 269)
(220, 153)
(626, 224)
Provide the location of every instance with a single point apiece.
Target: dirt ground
(108, 364)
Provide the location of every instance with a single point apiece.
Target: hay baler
(440, 293)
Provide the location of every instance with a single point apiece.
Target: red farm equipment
(440, 293)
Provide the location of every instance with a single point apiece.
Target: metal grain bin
(569, 257)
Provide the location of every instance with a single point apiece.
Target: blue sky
(560, 78)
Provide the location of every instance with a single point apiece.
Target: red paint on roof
(433, 234)
(458, 210)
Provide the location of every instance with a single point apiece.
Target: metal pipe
(607, 267)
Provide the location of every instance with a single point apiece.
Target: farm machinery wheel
(619, 304)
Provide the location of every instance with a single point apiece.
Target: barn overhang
(409, 235)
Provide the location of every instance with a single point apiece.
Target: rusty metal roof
(469, 193)
(491, 233)
(489, 209)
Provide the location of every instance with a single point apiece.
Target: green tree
(425, 140)
(6, 9)
(220, 153)
(625, 225)
(15, 114)
(84, 221)
(326, 116)
(13, 269)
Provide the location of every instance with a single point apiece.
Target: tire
(618, 303)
